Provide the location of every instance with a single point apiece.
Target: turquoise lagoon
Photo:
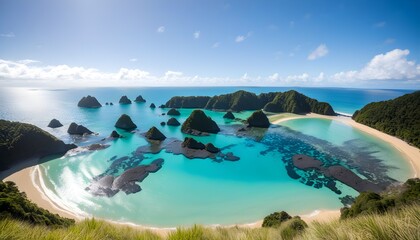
(188, 191)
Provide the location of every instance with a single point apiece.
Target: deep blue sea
(188, 191)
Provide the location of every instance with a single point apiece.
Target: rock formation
(229, 115)
(155, 134)
(173, 112)
(125, 122)
(76, 129)
(258, 119)
(54, 123)
(124, 100)
(115, 134)
(173, 122)
(139, 99)
(199, 121)
(152, 105)
(89, 102)
(192, 144)
(211, 148)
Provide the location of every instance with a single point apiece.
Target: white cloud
(320, 77)
(274, 77)
(173, 74)
(161, 29)
(28, 61)
(216, 45)
(241, 38)
(8, 35)
(196, 34)
(133, 60)
(319, 52)
(392, 65)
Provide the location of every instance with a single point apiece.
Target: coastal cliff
(290, 101)
(399, 117)
(19, 141)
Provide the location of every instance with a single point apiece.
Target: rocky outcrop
(173, 122)
(139, 99)
(211, 148)
(229, 115)
(187, 102)
(162, 124)
(152, 105)
(173, 112)
(155, 134)
(76, 129)
(115, 134)
(192, 144)
(125, 122)
(258, 119)
(21, 141)
(124, 100)
(199, 121)
(54, 123)
(89, 102)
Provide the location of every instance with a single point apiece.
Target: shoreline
(29, 180)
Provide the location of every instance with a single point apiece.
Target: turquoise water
(187, 191)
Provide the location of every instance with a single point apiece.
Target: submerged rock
(162, 123)
(192, 144)
(199, 121)
(173, 122)
(173, 112)
(152, 105)
(229, 115)
(139, 99)
(258, 119)
(78, 129)
(115, 134)
(125, 122)
(124, 100)
(89, 102)
(155, 134)
(54, 123)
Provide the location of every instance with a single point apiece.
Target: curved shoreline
(29, 180)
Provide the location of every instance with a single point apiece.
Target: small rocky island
(173, 122)
(155, 134)
(54, 123)
(258, 119)
(125, 122)
(89, 102)
(229, 115)
(76, 129)
(152, 105)
(124, 100)
(173, 112)
(139, 99)
(199, 122)
(21, 141)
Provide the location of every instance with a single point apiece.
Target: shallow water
(187, 191)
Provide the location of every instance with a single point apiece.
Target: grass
(401, 224)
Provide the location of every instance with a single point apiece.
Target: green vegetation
(276, 219)
(199, 121)
(399, 117)
(372, 203)
(290, 101)
(14, 204)
(258, 119)
(15, 137)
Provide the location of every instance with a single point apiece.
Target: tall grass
(401, 224)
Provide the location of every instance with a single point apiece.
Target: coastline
(29, 180)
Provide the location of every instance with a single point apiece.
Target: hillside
(290, 101)
(19, 141)
(399, 117)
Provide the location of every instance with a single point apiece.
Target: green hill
(399, 117)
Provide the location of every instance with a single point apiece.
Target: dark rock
(163, 114)
(54, 123)
(211, 148)
(230, 157)
(78, 129)
(97, 146)
(173, 112)
(199, 121)
(258, 119)
(162, 123)
(124, 100)
(152, 105)
(155, 134)
(111, 103)
(107, 103)
(89, 102)
(21, 141)
(173, 122)
(187, 102)
(125, 122)
(192, 144)
(162, 106)
(139, 99)
(229, 115)
(115, 134)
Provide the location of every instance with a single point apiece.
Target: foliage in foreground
(14, 204)
(372, 203)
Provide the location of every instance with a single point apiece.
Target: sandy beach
(28, 179)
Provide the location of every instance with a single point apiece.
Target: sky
(355, 43)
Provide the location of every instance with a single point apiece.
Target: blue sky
(140, 43)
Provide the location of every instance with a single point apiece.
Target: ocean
(203, 191)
